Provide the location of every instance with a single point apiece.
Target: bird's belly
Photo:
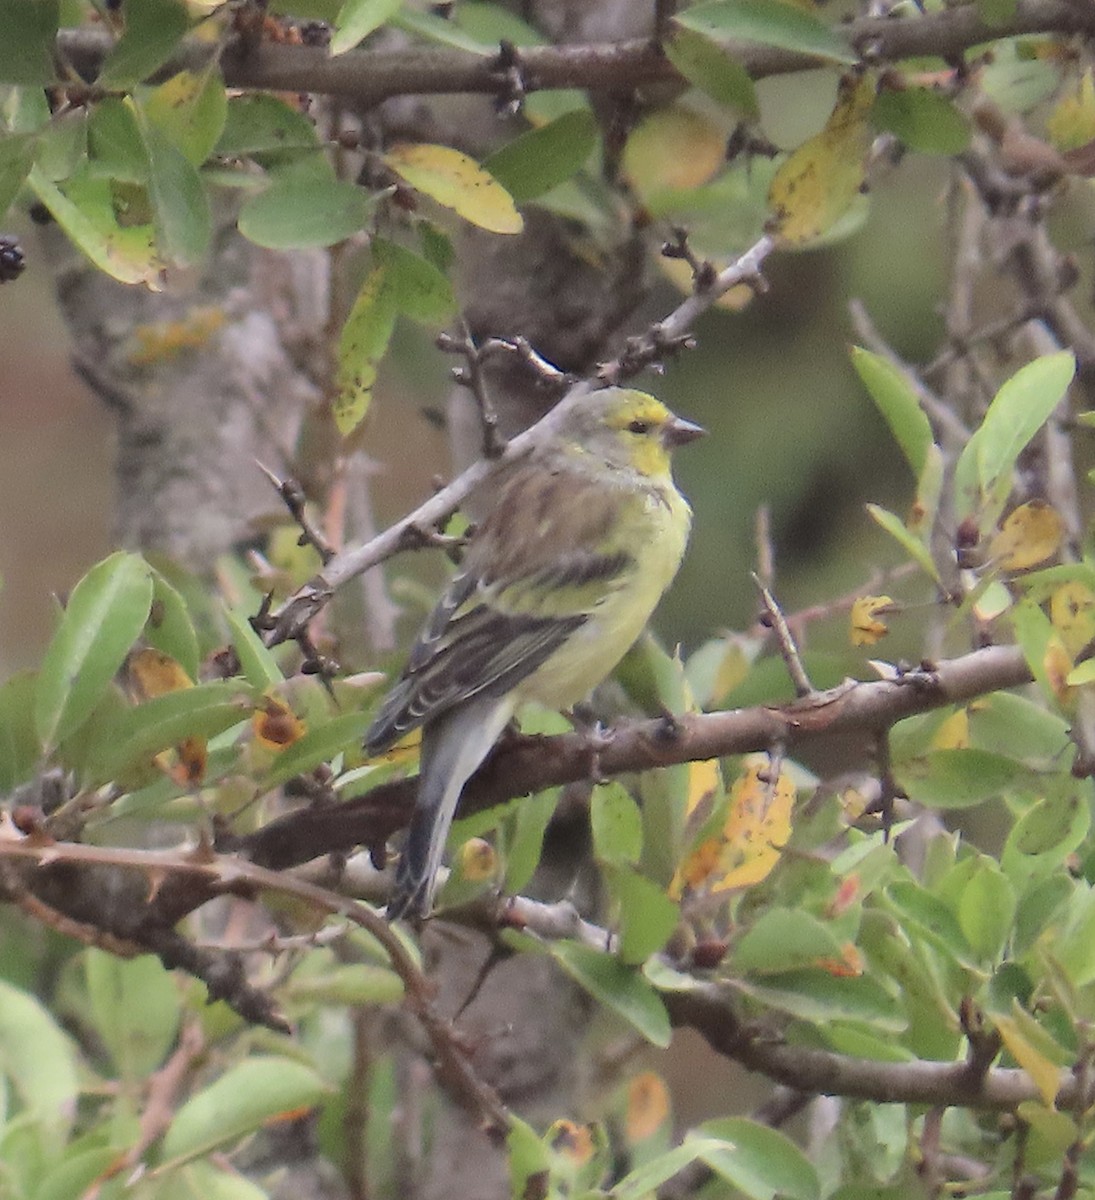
(592, 651)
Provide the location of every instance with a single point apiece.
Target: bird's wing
(542, 561)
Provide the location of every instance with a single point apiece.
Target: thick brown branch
(369, 77)
(822, 1072)
(530, 764)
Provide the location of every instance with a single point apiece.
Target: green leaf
(242, 1100)
(153, 28)
(203, 1181)
(19, 744)
(357, 19)
(445, 33)
(490, 24)
(74, 1174)
(85, 211)
(304, 207)
(1045, 835)
(1019, 409)
(645, 1179)
(711, 68)
(319, 745)
(135, 1009)
(528, 1158)
(169, 628)
(114, 143)
(361, 345)
(350, 983)
(909, 542)
(815, 995)
(617, 986)
(617, 824)
(180, 206)
(26, 48)
(16, 159)
(257, 125)
(106, 613)
(190, 110)
(1073, 947)
(958, 778)
(770, 22)
(39, 1060)
(541, 159)
(782, 939)
(896, 400)
(257, 663)
(420, 290)
(759, 1161)
(648, 916)
(128, 738)
(526, 843)
(986, 910)
(925, 120)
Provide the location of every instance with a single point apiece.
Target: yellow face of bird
(632, 430)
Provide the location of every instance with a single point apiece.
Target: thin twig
(786, 642)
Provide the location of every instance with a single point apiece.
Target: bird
(578, 542)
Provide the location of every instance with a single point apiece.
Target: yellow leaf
(867, 629)
(361, 345)
(1046, 1075)
(1072, 122)
(757, 826)
(275, 724)
(477, 860)
(954, 733)
(1058, 667)
(1030, 535)
(458, 182)
(703, 781)
(573, 1141)
(673, 147)
(153, 673)
(647, 1106)
(1072, 612)
(817, 183)
(679, 274)
(848, 966)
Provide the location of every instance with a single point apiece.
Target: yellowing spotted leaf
(1072, 122)
(361, 346)
(849, 965)
(152, 673)
(757, 826)
(647, 1106)
(673, 147)
(573, 1141)
(954, 733)
(867, 629)
(704, 781)
(275, 724)
(817, 183)
(1030, 535)
(458, 182)
(1058, 667)
(1072, 612)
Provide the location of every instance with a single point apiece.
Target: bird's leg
(597, 736)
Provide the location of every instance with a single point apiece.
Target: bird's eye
(639, 427)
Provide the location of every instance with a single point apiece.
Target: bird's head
(628, 429)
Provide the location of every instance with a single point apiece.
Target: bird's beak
(679, 432)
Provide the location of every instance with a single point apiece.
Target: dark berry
(12, 262)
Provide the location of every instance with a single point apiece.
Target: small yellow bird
(581, 539)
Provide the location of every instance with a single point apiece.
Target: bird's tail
(452, 747)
